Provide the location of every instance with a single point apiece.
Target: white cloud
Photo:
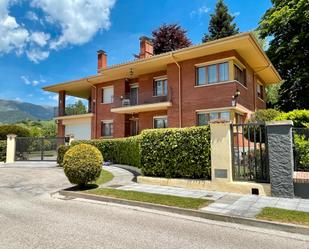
(53, 97)
(13, 36)
(235, 14)
(79, 20)
(27, 81)
(37, 55)
(75, 22)
(18, 99)
(40, 38)
(32, 16)
(200, 11)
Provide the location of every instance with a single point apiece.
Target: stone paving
(224, 203)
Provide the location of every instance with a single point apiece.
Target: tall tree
(287, 23)
(76, 108)
(169, 37)
(221, 23)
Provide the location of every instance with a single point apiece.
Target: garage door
(80, 131)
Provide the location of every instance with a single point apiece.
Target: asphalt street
(31, 218)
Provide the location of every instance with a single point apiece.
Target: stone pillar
(10, 148)
(221, 151)
(280, 155)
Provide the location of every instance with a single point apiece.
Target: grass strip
(105, 177)
(168, 200)
(284, 215)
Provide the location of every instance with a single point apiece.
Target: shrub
(62, 149)
(2, 150)
(82, 164)
(300, 118)
(118, 150)
(302, 150)
(263, 115)
(176, 152)
(13, 129)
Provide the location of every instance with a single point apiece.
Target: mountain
(14, 111)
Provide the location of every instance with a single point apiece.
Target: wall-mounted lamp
(234, 97)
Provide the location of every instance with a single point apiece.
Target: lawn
(284, 215)
(168, 200)
(104, 177)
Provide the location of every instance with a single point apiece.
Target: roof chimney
(102, 60)
(146, 47)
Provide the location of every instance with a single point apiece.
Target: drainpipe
(95, 111)
(179, 91)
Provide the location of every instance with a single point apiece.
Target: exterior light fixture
(234, 97)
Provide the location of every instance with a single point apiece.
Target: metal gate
(37, 148)
(250, 152)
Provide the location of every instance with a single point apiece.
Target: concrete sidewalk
(224, 203)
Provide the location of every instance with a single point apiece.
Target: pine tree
(220, 23)
(169, 37)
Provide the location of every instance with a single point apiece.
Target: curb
(195, 213)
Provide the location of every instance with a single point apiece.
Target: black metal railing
(143, 98)
(301, 149)
(37, 148)
(250, 153)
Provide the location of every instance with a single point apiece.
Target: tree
(169, 37)
(220, 25)
(76, 108)
(287, 23)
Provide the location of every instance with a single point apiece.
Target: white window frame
(160, 78)
(159, 117)
(103, 101)
(107, 122)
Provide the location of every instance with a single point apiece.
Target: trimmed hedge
(118, 150)
(82, 164)
(176, 152)
(13, 129)
(300, 118)
(62, 149)
(2, 150)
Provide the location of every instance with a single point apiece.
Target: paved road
(30, 218)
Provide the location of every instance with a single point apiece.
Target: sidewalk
(224, 203)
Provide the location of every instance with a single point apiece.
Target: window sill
(214, 84)
(261, 99)
(241, 84)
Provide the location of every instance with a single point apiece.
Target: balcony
(142, 102)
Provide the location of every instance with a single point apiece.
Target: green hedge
(118, 150)
(2, 150)
(176, 152)
(13, 129)
(62, 149)
(300, 118)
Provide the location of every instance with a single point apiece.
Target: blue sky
(43, 42)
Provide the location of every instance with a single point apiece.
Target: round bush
(82, 164)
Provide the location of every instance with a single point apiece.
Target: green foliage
(272, 93)
(2, 150)
(169, 37)
(286, 22)
(264, 115)
(62, 149)
(40, 128)
(13, 129)
(119, 150)
(76, 108)
(220, 25)
(82, 164)
(300, 118)
(302, 151)
(176, 152)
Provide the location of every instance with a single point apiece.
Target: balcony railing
(70, 112)
(144, 98)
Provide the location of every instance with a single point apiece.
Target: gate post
(280, 156)
(10, 148)
(221, 151)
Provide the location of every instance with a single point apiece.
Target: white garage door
(80, 131)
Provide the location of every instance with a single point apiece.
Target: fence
(249, 152)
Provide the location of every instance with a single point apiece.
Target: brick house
(225, 79)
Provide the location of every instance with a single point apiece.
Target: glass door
(134, 95)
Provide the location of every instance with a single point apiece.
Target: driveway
(30, 218)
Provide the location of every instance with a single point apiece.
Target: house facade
(222, 79)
